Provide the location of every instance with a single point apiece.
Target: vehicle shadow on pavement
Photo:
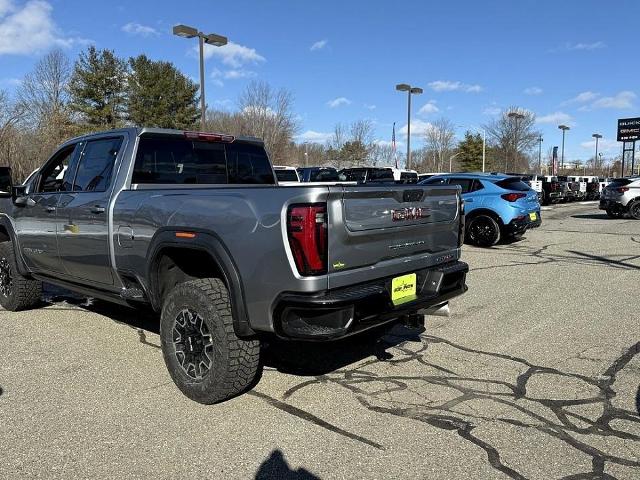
(484, 397)
(277, 467)
(593, 216)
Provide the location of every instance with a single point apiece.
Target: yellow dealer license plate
(403, 289)
(533, 216)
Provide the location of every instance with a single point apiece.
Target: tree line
(60, 99)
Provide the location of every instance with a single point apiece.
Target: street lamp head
(403, 87)
(215, 40)
(185, 31)
(596, 135)
(416, 90)
(563, 127)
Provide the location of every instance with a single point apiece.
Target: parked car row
(622, 197)
(359, 175)
(564, 188)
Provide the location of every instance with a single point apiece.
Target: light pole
(451, 160)
(597, 136)
(516, 116)
(404, 87)
(600, 164)
(540, 154)
(484, 142)
(564, 128)
(185, 31)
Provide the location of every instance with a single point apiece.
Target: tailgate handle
(412, 195)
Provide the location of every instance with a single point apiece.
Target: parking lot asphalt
(534, 375)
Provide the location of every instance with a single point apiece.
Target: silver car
(622, 197)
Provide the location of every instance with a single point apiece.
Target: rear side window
(513, 183)
(183, 161)
(96, 165)
(409, 177)
(285, 175)
(381, 174)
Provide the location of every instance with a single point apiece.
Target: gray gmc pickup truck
(195, 226)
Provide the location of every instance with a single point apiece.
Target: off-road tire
(491, 229)
(23, 293)
(234, 362)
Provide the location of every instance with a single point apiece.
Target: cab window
(55, 172)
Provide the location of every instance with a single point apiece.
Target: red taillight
(512, 197)
(307, 231)
(622, 189)
(209, 137)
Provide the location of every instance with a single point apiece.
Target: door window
(465, 183)
(96, 165)
(54, 174)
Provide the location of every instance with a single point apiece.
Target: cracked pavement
(534, 375)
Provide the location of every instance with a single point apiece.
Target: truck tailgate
(378, 231)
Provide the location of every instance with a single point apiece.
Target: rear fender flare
(210, 243)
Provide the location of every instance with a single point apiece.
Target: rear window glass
(353, 175)
(465, 183)
(285, 175)
(324, 175)
(381, 174)
(183, 161)
(513, 184)
(409, 177)
(620, 182)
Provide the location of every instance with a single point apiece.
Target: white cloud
(582, 97)
(134, 28)
(570, 47)
(319, 45)
(29, 28)
(232, 74)
(429, 107)
(225, 103)
(492, 110)
(451, 86)
(369, 106)
(533, 91)
(389, 143)
(337, 102)
(604, 145)
(555, 118)
(312, 136)
(622, 100)
(232, 54)
(418, 128)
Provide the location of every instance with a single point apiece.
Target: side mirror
(5, 182)
(18, 193)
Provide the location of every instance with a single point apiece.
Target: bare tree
(43, 92)
(268, 114)
(440, 138)
(514, 138)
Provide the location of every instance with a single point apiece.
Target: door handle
(50, 209)
(97, 209)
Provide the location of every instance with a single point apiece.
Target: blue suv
(496, 205)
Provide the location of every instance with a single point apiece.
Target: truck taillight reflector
(307, 232)
(622, 189)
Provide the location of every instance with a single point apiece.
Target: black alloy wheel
(193, 344)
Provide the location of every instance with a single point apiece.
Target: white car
(286, 174)
(404, 175)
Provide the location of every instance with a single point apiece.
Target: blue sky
(569, 62)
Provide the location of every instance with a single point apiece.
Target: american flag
(393, 144)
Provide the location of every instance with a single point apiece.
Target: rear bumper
(346, 311)
(606, 204)
(519, 225)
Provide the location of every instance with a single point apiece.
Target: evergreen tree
(159, 95)
(470, 150)
(98, 87)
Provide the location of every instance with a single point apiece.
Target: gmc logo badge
(409, 214)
